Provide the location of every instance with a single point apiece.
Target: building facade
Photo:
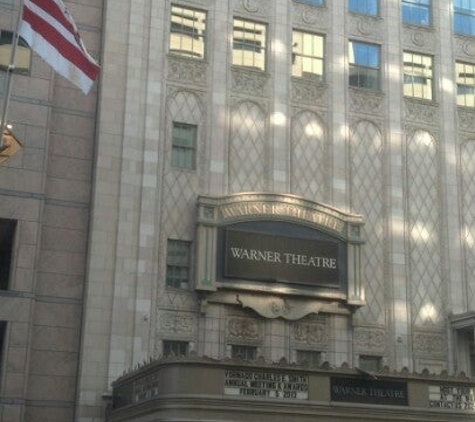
(252, 181)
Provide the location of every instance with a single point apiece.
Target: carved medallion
(243, 329)
(310, 332)
(177, 323)
(369, 339)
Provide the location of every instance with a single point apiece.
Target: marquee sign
(270, 257)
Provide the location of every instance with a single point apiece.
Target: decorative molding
(253, 7)
(464, 47)
(310, 333)
(366, 26)
(187, 71)
(370, 339)
(178, 323)
(315, 17)
(420, 38)
(249, 82)
(466, 119)
(240, 328)
(366, 102)
(430, 344)
(307, 91)
(421, 112)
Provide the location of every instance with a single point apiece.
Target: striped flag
(50, 31)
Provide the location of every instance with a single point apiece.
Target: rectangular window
(369, 363)
(416, 12)
(309, 358)
(178, 263)
(464, 17)
(7, 235)
(249, 44)
(465, 74)
(243, 352)
(418, 76)
(183, 145)
(307, 55)
(187, 32)
(23, 53)
(175, 348)
(364, 65)
(365, 7)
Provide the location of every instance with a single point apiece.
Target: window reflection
(307, 55)
(187, 32)
(364, 65)
(465, 79)
(418, 76)
(416, 12)
(249, 44)
(366, 7)
(464, 17)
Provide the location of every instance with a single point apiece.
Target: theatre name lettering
(266, 384)
(269, 257)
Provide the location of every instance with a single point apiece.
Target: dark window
(7, 234)
(309, 358)
(23, 53)
(416, 12)
(178, 263)
(184, 145)
(364, 65)
(464, 17)
(243, 352)
(370, 363)
(366, 7)
(175, 348)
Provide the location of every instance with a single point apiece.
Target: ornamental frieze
(367, 103)
(243, 329)
(316, 17)
(310, 333)
(177, 323)
(466, 118)
(367, 26)
(187, 71)
(253, 7)
(307, 91)
(421, 112)
(464, 48)
(369, 339)
(250, 82)
(419, 38)
(429, 344)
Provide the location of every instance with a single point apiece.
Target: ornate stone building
(254, 181)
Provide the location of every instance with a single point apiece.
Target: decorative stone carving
(276, 307)
(253, 7)
(310, 15)
(368, 26)
(369, 339)
(243, 329)
(177, 323)
(364, 102)
(421, 112)
(306, 91)
(249, 82)
(429, 344)
(419, 38)
(187, 71)
(466, 119)
(310, 332)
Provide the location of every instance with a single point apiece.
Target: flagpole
(8, 88)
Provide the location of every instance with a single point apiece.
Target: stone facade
(96, 199)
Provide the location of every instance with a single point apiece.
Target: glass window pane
(364, 65)
(249, 44)
(178, 263)
(307, 55)
(369, 7)
(418, 76)
(187, 32)
(183, 145)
